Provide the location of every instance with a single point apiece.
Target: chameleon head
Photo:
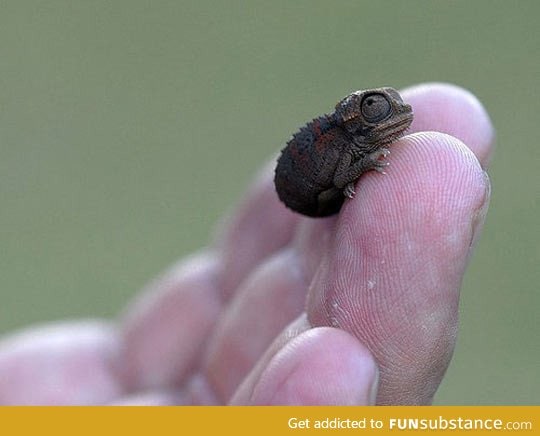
(374, 115)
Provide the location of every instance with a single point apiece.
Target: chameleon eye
(375, 107)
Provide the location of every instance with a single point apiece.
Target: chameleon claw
(381, 153)
(349, 191)
(385, 152)
(381, 166)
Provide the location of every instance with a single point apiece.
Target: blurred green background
(128, 127)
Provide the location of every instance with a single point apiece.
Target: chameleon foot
(349, 191)
(377, 163)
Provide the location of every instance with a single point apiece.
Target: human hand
(354, 309)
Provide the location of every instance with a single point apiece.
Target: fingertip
(258, 226)
(67, 363)
(272, 295)
(450, 109)
(432, 174)
(163, 329)
(322, 366)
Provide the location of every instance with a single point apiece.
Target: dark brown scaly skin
(317, 169)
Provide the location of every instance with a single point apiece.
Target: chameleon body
(317, 168)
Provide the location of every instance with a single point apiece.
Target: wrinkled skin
(359, 308)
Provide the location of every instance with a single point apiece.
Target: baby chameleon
(320, 163)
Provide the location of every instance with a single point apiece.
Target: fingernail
(374, 390)
(479, 215)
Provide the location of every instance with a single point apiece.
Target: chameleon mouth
(394, 130)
